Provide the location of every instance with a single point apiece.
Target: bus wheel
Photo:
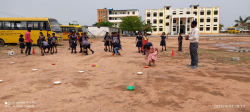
(2, 42)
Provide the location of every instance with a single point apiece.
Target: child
(73, 40)
(41, 37)
(80, 42)
(86, 47)
(151, 53)
(54, 42)
(145, 41)
(106, 42)
(163, 41)
(69, 36)
(117, 46)
(138, 42)
(115, 39)
(44, 45)
(50, 43)
(21, 42)
(111, 42)
(180, 38)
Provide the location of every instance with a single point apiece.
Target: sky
(85, 11)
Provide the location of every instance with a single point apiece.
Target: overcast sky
(85, 11)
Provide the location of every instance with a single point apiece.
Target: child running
(21, 42)
(54, 42)
(73, 40)
(106, 42)
(163, 41)
(117, 46)
(151, 53)
(115, 40)
(138, 42)
(145, 41)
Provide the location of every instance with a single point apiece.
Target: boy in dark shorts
(41, 37)
(106, 42)
(44, 45)
(73, 40)
(69, 38)
(86, 47)
(21, 42)
(80, 42)
(54, 42)
(49, 42)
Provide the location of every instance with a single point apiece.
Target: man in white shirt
(193, 39)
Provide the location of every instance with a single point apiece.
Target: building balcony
(115, 21)
(121, 15)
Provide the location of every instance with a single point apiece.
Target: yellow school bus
(233, 30)
(67, 28)
(11, 28)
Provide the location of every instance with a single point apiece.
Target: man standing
(28, 42)
(193, 39)
(180, 38)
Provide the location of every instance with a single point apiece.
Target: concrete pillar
(179, 26)
(172, 26)
(186, 26)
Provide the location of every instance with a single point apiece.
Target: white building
(174, 21)
(101, 31)
(114, 16)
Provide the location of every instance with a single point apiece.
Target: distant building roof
(111, 9)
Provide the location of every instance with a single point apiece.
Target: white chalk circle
(139, 73)
(57, 82)
(81, 71)
(34, 69)
(1, 80)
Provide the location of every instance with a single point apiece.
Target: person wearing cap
(193, 39)
(138, 42)
(28, 42)
(21, 42)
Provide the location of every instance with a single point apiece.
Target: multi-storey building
(174, 21)
(114, 16)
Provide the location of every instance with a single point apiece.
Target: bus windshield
(55, 26)
(79, 29)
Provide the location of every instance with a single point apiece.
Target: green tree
(109, 24)
(241, 21)
(131, 23)
(147, 27)
(221, 25)
(73, 24)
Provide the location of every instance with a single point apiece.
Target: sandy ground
(169, 86)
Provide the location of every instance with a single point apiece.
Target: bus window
(21, 25)
(43, 25)
(48, 27)
(6, 25)
(12, 25)
(1, 25)
(35, 27)
(79, 29)
(30, 25)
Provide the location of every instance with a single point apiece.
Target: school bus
(233, 30)
(67, 28)
(11, 28)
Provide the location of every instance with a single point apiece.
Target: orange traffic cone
(33, 52)
(172, 52)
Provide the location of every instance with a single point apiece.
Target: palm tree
(241, 21)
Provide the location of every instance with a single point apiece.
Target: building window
(133, 12)
(195, 13)
(201, 20)
(167, 24)
(155, 21)
(215, 28)
(215, 20)
(195, 7)
(188, 12)
(148, 21)
(207, 28)
(201, 28)
(202, 13)
(188, 29)
(174, 21)
(128, 13)
(180, 22)
(181, 13)
(188, 21)
(161, 21)
(208, 12)
(174, 13)
(167, 8)
(160, 29)
(161, 14)
(155, 14)
(155, 29)
(208, 20)
(215, 12)
(167, 17)
(148, 15)
(174, 29)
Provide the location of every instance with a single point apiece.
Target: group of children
(50, 44)
(112, 43)
(83, 41)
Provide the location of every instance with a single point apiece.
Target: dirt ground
(218, 85)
